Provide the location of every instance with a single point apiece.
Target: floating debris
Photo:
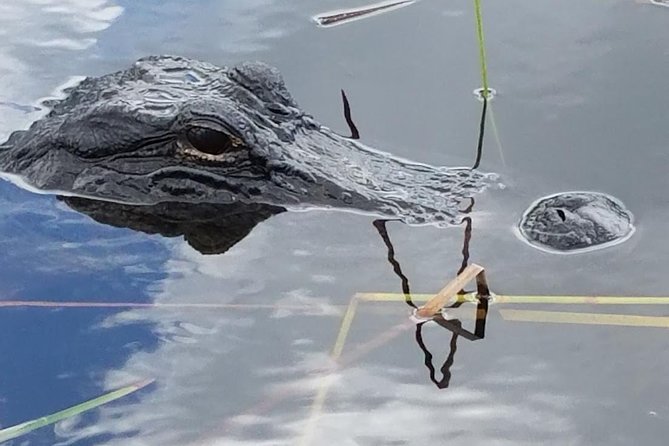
(479, 93)
(450, 291)
(664, 3)
(341, 16)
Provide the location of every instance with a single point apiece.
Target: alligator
(173, 129)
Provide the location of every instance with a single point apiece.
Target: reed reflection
(454, 326)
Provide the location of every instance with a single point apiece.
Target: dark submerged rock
(570, 222)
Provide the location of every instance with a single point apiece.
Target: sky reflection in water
(245, 376)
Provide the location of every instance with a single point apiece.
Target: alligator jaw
(317, 170)
(354, 176)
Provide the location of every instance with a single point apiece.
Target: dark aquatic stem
(479, 147)
(380, 226)
(355, 134)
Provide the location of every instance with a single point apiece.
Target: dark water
(581, 106)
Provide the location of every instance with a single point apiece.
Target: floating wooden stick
(341, 16)
(434, 305)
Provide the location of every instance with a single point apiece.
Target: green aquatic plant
(18, 430)
(485, 93)
(482, 55)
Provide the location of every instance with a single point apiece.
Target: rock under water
(570, 222)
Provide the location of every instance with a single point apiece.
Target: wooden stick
(434, 305)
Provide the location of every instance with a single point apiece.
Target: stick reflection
(456, 328)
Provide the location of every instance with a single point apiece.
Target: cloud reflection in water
(240, 377)
(37, 42)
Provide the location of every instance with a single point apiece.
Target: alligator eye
(212, 142)
(561, 214)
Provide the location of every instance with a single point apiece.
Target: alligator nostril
(278, 110)
(561, 214)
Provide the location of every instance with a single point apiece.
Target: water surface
(580, 106)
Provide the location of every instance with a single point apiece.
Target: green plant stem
(29, 426)
(482, 56)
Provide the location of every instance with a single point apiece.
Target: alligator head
(173, 129)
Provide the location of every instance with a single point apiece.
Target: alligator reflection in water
(208, 228)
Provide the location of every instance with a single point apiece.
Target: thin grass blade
(29, 426)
